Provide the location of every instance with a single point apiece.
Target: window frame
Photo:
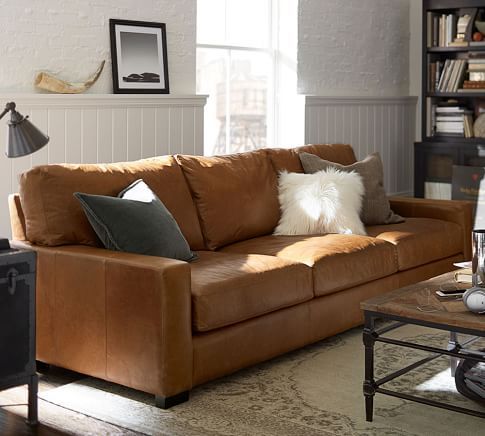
(272, 50)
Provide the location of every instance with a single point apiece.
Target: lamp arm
(8, 107)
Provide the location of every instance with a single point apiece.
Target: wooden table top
(419, 302)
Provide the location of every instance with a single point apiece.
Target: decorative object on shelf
(23, 137)
(479, 126)
(450, 30)
(139, 57)
(477, 36)
(480, 25)
(51, 83)
(464, 27)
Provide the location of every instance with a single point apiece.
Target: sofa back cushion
(54, 217)
(287, 159)
(236, 195)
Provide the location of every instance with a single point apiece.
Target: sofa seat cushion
(338, 261)
(229, 288)
(420, 240)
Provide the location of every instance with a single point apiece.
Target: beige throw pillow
(375, 206)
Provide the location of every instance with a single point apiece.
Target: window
(239, 66)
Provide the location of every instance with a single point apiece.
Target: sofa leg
(167, 402)
(42, 367)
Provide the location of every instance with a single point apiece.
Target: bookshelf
(453, 94)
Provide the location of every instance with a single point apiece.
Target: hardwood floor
(53, 420)
(12, 424)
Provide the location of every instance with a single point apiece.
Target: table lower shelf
(372, 386)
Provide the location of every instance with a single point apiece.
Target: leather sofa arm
(118, 316)
(459, 212)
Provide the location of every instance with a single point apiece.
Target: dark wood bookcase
(436, 154)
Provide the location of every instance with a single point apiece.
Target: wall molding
(369, 124)
(315, 100)
(102, 100)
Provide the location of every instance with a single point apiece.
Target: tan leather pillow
(54, 217)
(375, 205)
(236, 195)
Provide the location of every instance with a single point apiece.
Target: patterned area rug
(314, 391)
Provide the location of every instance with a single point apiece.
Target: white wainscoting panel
(383, 124)
(95, 128)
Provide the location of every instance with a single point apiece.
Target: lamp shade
(23, 137)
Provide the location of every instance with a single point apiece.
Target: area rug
(314, 391)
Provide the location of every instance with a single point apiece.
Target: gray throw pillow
(136, 222)
(375, 205)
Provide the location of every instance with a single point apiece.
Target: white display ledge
(103, 100)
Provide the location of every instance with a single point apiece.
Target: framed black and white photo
(139, 57)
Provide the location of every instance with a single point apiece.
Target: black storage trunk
(17, 316)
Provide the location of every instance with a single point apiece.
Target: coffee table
(418, 304)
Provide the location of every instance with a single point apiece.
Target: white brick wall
(70, 37)
(353, 47)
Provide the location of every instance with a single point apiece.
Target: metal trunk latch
(12, 280)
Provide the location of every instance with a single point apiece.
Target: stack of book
(451, 121)
(476, 75)
(447, 77)
(463, 275)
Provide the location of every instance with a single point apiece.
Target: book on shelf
(450, 108)
(452, 29)
(437, 190)
(478, 67)
(430, 111)
(474, 84)
(449, 121)
(475, 56)
(448, 118)
(442, 31)
(475, 76)
(447, 77)
(476, 60)
(449, 30)
(451, 126)
(468, 124)
(430, 27)
(459, 44)
(472, 90)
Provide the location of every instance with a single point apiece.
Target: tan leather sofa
(164, 326)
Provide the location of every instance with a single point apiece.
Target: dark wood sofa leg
(167, 402)
(42, 367)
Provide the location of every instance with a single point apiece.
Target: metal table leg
(452, 345)
(369, 382)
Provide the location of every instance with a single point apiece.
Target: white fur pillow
(328, 201)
